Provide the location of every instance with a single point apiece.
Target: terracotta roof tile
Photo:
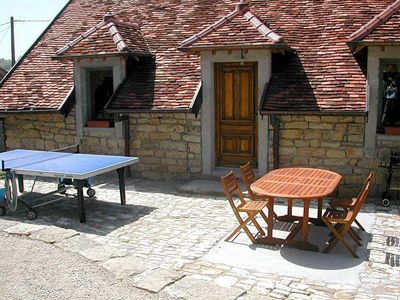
(384, 27)
(320, 74)
(108, 36)
(238, 28)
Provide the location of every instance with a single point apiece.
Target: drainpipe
(127, 137)
(274, 120)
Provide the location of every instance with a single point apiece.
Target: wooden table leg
(269, 238)
(318, 221)
(290, 208)
(305, 220)
(270, 217)
(303, 224)
(289, 216)
(320, 202)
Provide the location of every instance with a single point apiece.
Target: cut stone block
(77, 243)
(53, 234)
(127, 266)
(194, 289)
(156, 279)
(102, 253)
(24, 228)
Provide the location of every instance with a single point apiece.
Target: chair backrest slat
(248, 177)
(231, 187)
(362, 197)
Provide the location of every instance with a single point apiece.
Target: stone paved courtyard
(162, 239)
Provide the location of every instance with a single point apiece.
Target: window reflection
(391, 97)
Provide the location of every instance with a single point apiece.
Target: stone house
(194, 87)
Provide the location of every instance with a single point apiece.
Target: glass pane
(391, 96)
(101, 89)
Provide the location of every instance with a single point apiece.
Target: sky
(26, 33)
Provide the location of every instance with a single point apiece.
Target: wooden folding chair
(339, 222)
(347, 204)
(249, 177)
(251, 208)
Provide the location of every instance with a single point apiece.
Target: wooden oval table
(304, 184)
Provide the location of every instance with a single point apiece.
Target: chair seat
(252, 206)
(345, 203)
(337, 216)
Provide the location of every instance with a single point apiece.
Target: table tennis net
(33, 158)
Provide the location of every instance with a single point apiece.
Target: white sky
(26, 33)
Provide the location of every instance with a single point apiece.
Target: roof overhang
(232, 47)
(357, 46)
(150, 110)
(315, 112)
(64, 108)
(101, 55)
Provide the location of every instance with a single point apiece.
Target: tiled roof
(108, 36)
(383, 28)
(320, 73)
(235, 30)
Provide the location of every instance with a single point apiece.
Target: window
(100, 91)
(389, 95)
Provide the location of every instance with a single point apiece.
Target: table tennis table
(76, 167)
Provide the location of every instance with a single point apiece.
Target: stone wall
(40, 131)
(168, 145)
(331, 142)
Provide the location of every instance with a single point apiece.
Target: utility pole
(12, 42)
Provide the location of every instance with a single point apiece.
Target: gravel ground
(35, 270)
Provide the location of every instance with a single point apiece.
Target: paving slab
(24, 228)
(254, 296)
(338, 266)
(155, 280)
(53, 234)
(127, 266)
(7, 223)
(102, 253)
(195, 289)
(76, 243)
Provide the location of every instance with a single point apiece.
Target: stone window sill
(387, 137)
(89, 130)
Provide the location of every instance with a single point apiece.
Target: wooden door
(236, 114)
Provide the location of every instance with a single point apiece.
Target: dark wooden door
(236, 117)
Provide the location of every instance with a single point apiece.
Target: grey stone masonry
(158, 242)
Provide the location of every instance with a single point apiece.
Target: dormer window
(100, 57)
(100, 91)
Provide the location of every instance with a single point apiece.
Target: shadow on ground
(101, 217)
(338, 266)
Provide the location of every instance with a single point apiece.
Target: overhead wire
(4, 35)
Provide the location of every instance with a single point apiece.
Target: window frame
(89, 102)
(380, 108)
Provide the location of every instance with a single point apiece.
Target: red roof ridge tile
(81, 37)
(262, 28)
(116, 36)
(379, 19)
(242, 9)
(112, 25)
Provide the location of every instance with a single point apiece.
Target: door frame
(208, 58)
(234, 65)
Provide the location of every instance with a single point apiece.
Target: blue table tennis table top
(62, 164)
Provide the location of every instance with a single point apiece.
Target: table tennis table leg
(21, 183)
(121, 179)
(79, 184)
